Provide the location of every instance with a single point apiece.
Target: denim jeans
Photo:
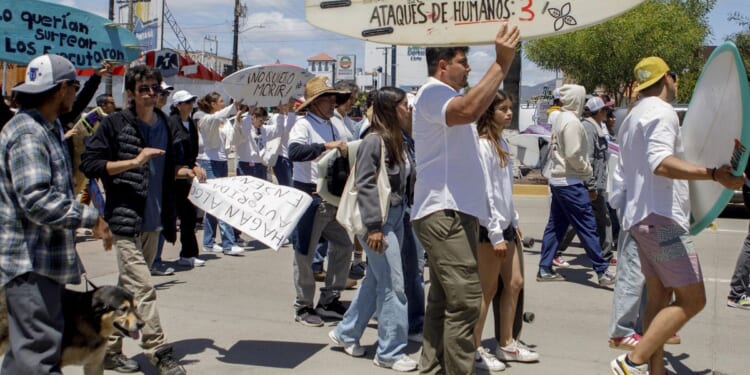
(629, 301)
(257, 170)
(283, 171)
(740, 284)
(382, 290)
(216, 169)
(571, 205)
(412, 258)
(319, 257)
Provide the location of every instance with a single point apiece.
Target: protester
(286, 117)
(739, 287)
(107, 103)
(187, 140)
(252, 134)
(134, 155)
(344, 105)
(383, 287)
(311, 135)
(216, 136)
(446, 207)
(39, 217)
(571, 202)
(497, 254)
(657, 213)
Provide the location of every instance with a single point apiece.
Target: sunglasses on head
(155, 88)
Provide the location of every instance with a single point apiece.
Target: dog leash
(89, 283)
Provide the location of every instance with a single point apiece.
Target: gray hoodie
(569, 154)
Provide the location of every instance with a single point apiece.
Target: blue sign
(31, 28)
(147, 34)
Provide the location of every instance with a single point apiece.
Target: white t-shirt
(287, 122)
(308, 130)
(649, 134)
(499, 182)
(344, 125)
(226, 138)
(449, 172)
(251, 141)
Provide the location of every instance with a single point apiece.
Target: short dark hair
(140, 73)
(435, 54)
(103, 99)
(29, 101)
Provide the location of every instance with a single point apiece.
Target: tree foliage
(742, 38)
(605, 54)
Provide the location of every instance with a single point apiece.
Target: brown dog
(90, 318)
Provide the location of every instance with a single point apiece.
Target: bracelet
(713, 174)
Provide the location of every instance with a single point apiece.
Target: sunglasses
(155, 88)
(74, 84)
(673, 75)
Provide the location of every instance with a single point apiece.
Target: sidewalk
(235, 315)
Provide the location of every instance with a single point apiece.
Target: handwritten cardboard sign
(31, 28)
(261, 209)
(267, 85)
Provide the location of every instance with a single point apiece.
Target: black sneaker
(333, 310)
(357, 271)
(161, 269)
(307, 317)
(167, 364)
(120, 363)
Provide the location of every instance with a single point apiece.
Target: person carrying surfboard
(446, 208)
(657, 214)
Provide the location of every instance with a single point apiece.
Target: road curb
(532, 190)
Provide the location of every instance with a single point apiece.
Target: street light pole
(235, 59)
(385, 65)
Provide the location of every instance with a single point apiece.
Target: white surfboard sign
(457, 22)
(267, 85)
(716, 130)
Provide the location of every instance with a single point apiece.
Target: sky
(276, 30)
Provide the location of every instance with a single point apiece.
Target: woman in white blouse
(216, 136)
(497, 255)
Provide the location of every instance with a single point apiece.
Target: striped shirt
(38, 210)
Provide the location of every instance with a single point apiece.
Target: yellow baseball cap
(649, 71)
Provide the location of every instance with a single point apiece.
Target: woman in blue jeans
(216, 136)
(383, 287)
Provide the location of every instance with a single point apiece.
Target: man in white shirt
(657, 214)
(311, 135)
(446, 207)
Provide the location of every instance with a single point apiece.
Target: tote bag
(348, 214)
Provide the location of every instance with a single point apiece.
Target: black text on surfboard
(269, 83)
(458, 12)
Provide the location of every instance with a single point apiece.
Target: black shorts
(509, 234)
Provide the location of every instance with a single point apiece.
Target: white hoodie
(569, 156)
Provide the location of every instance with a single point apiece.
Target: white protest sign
(267, 85)
(261, 209)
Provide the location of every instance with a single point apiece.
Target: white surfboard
(459, 22)
(527, 148)
(267, 85)
(716, 130)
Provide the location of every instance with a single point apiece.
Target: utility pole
(237, 12)
(108, 77)
(216, 51)
(384, 81)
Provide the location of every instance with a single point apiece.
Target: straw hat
(316, 87)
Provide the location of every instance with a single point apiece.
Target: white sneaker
(484, 360)
(214, 249)
(191, 262)
(353, 349)
(416, 337)
(620, 367)
(516, 352)
(402, 364)
(234, 250)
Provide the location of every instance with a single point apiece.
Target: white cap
(182, 96)
(595, 104)
(556, 93)
(166, 87)
(45, 72)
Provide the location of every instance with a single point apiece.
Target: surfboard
(717, 121)
(267, 85)
(527, 148)
(458, 22)
(31, 28)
